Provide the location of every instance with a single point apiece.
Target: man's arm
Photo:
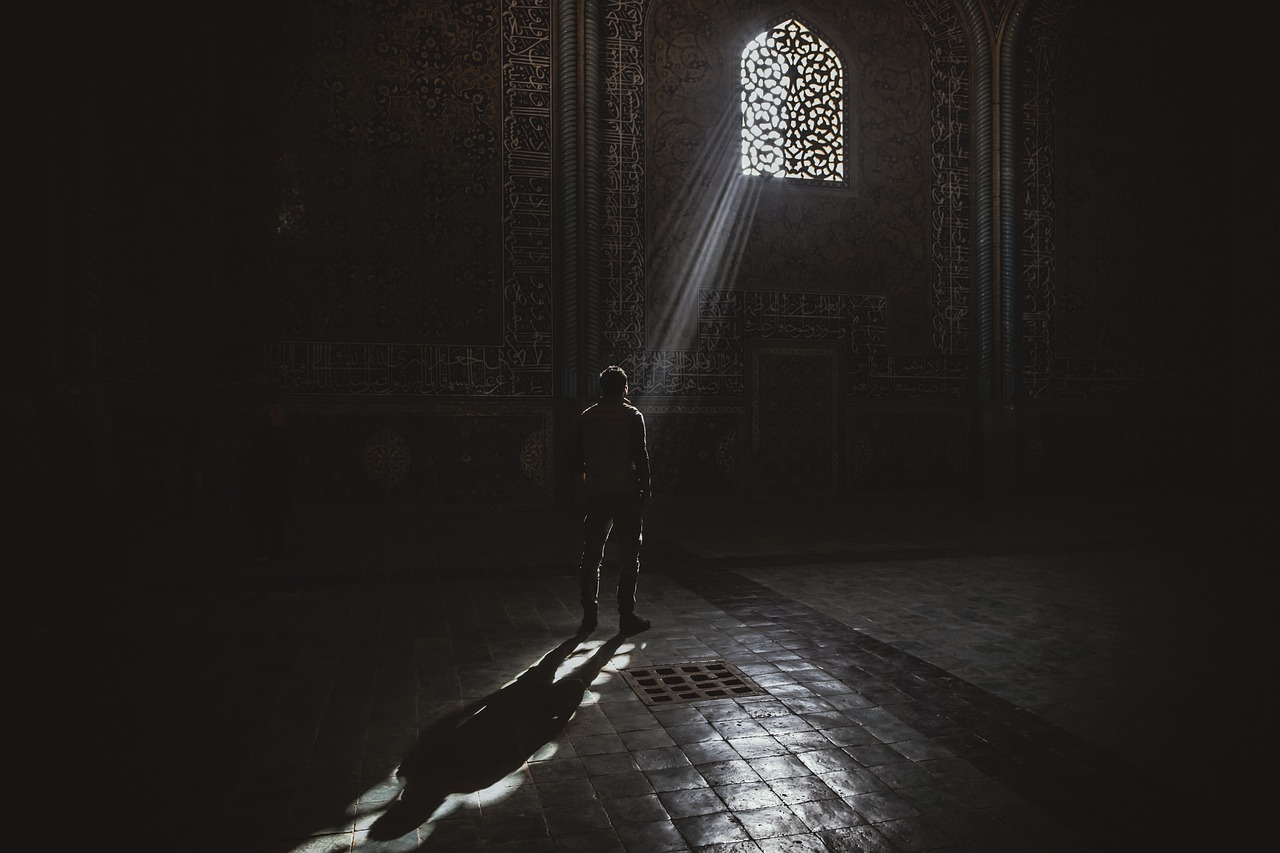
(640, 452)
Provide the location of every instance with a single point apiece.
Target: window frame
(846, 147)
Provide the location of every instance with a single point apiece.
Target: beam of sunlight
(325, 844)
(575, 660)
(698, 245)
(500, 790)
(376, 798)
(547, 751)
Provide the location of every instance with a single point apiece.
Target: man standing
(613, 461)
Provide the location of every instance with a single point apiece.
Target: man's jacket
(610, 448)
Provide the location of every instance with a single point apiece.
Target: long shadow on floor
(475, 747)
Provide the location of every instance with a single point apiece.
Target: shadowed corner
(481, 744)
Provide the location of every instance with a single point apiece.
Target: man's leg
(628, 532)
(595, 533)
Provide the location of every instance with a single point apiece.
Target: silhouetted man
(613, 458)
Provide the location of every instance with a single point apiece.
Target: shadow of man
(477, 746)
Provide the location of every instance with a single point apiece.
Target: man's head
(613, 381)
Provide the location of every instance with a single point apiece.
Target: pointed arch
(793, 120)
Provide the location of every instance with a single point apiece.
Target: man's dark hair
(613, 381)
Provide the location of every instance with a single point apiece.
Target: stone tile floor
(1066, 674)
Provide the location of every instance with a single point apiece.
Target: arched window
(792, 105)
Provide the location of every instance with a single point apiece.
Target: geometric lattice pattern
(792, 105)
(689, 682)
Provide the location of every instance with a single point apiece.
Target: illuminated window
(792, 105)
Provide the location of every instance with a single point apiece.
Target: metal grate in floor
(690, 682)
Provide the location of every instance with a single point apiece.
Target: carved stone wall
(386, 224)
(384, 235)
(1141, 236)
(699, 261)
(1123, 203)
(909, 449)
(698, 451)
(348, 205)
(422, 452)
(711, 228)
(795, 422)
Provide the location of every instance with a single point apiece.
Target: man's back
(611, 447)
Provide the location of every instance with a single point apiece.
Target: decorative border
(1036, 252)
(528, 127)
(952, 195)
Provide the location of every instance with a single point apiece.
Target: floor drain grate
(690, 682)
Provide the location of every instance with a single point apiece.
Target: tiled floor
(1073, 674)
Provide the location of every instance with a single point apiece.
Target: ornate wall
(813, 263)
(387, 216)
(1125, 296)
(877, 269)
(420, 225)
(387, 229)
(1113, 183)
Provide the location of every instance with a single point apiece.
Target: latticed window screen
(792, 105)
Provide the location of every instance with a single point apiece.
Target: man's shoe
(632, 624)
(589, 623)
